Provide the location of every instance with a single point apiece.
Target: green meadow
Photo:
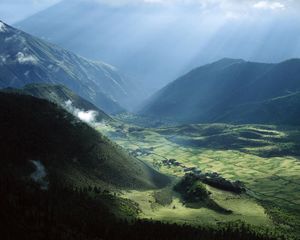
(265, 158)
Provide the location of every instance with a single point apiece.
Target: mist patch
(39, 174)
(85, 116)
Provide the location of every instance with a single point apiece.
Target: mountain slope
(34, 129)
(280, 110)
(25, 59)
(60, 95)
(212, 91)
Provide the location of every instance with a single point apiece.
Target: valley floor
(264, 158)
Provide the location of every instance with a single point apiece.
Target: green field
(243, 209)
(264, 158)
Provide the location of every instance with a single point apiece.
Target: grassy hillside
(225, 90)
(35, 129)
(59, 94)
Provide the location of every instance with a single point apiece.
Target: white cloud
(23, 59)
(85, 116)
(268, 5)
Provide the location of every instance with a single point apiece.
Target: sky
(13, 11)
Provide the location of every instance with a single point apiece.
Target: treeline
(64, 212)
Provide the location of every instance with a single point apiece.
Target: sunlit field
(264, 158)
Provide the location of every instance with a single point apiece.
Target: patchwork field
(264, 158)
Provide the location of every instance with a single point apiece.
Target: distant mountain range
(26, 59)
(232, 90)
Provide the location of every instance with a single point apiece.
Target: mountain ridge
(217, 88)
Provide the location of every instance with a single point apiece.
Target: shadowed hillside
(60, 95)
(37, 130)
(231, 91)
(280, 110)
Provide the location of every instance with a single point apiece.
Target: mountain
(231, 90)
(279, 110)
(37, 132)
(26, 59)
(156, 43)
(60, 95)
